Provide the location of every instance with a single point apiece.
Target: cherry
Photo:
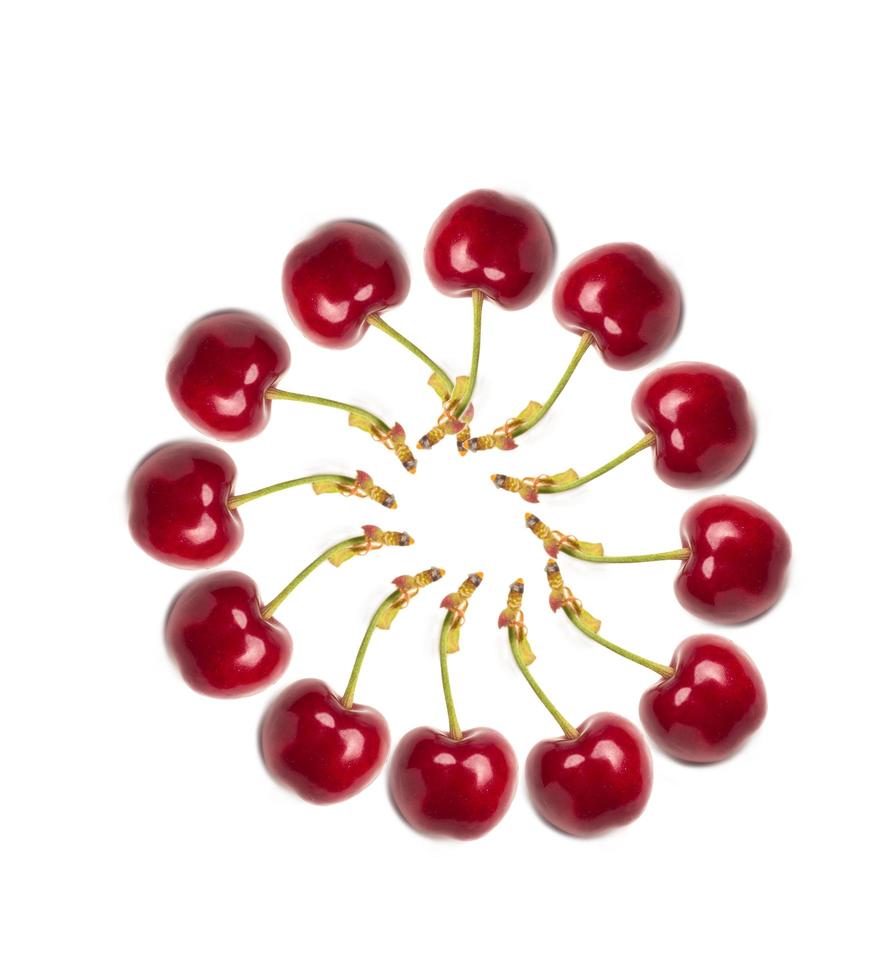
(739, 557)
(320, 749)
(700, 420)
(710, 699)
(490, 242)
(734, 557)
(453, 786)
(712, 703)
(620, 297)
(456, 784)
(219, 638)
(178, 505)
(339, 276)
(221, 371)
(594, 777)
(324, 747)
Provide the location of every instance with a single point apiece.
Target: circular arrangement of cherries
(337, 283)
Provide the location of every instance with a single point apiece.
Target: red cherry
(700, 419)
(221, 370)
(222, 644)
(714, 701)
(320, 749)
(453, 787)
(333, 280)
(488, 241)
(588, 784)
(622, 296)
(178, 505)
(739, 557)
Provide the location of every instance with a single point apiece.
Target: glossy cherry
(218, 637)
(623, 298)
(453, 787)
(221, 370)
(739, 557)
(700, 419)
(320, 749)
(489, 241)
(178, 505)
(714, 701)
(598, 780)
(333, 280)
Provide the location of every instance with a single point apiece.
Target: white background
(159, 162)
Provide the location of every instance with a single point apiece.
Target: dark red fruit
(714, 701)
(739, 556)
(601, 779)
(219, 639)
(221, 370)
(701, 421)
(178, 505)
(333, 280)
(320, 749)
(491, 242)
(623, 297)
(453, 787)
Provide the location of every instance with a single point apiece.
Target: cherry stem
(477, 302)
(386, 328)
(347, 698)
(566, 726)
(242, 498)
(643, 443)
(582, 347)
(275, 603)
(455, 728)
(293, 396)
(574, 617)
(680, 554)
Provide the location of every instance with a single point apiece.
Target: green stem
(680, 554)
(477, 301)
(385, 327)
(658, 668)
(643, 443)
(566, 726)
(293, 396)
(242, 498)
(455, 729)
(582, 347)
(275, 603)
(347, 698)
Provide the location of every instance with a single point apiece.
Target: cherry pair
(734, 557)
(183, 510)
(711, 697)
(695, 416)
(225, 640)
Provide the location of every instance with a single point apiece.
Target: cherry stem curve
(526, 426)
(243, 498)
(643, 443)
(574, 617)
(347, 698)
(386, 328)
(566, 726)
(680, 554)
(477, 303)
(455, 728)
(294, 396)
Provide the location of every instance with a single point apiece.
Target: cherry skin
(739, 557)
(221, 370)
(333, 280)
(178, 505)
(320, 749)
(219, 639)
(622, 296)
(701, 421)
(497, 244)
(453, 787)
(714, 701)
(589, 784)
